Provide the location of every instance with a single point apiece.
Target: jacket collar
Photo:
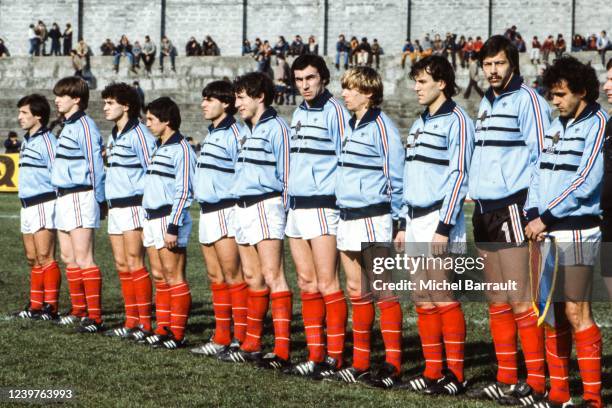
(445, 109)
(76, 116)
(131, 124)
(225, 124)
(589, 110)
(41, 131)
(514, 85)
(268, 114)
(370, 116)
(174, 139)
(317, 103)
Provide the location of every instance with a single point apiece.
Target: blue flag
(543, 266)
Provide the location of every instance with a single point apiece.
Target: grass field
(108, 372)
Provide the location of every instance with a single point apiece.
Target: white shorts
(264, 220)
(352, 233)
(37, 217)
(420, 231)
(155, 230)
(309, 223)
(125, 219)
(77, 210)
(215, 225)
(578, 247)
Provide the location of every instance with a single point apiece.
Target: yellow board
(9, 172)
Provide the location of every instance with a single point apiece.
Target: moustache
(493, 77)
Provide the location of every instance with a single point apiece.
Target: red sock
(239, 294)
(257, 307)
(162, 307)
(222, 307)
(363, 318)
(92, 282)
(77, 292)
(129, 299)
(37, 288)
(391, 329)
(142, 291)
(532, 343)
(52, 278)
(429, 325)
(558, 352)
(180, 303)
(453, 333)
(281, 317)
(588, 352)
(336, 312)
(313, 314)
(503, 332)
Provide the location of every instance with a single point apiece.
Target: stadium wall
(223, 20)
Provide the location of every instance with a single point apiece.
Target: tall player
(37, 197)
(440, 146)
(214, 181)
(563, 203)
(606, 192)
(262, 172)
(78, 175)
(510, 129)
(369, 194)
(128, 154)
(318, 126)
(167, 195)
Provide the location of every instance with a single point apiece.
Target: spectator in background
(67, 39)
(12, 144)
(511, 34)
(282, 77)
(4, 52)
(124, 49)
(83, 51)
(297, 47)
(141, 94)
(478, 44)
(246, 47)
(473, 71)
(408, 51)
(210, 47)
(263, 57)
(560, 46)
(603, 44)
(167, 50)
(194, 145)
(343, 50)
(462, 58)
(43, 35)
(78, 63)
(364, 53)
(592, 43)
(137, 52)
(468, 49)
(438, 45)
(578, 43)
(256, 46)
(376, 53)
(450, 45)
(312, 47)
(534, 54)
(34, 41)
(55, 34)
(149, 49)
(193, 49)
(107, 48)
(547, 47)
(426, 46)
(354, 44)
(520, 43)
(281, 47)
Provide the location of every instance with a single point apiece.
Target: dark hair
(39, 106)
(440, 70)
(12, 133)
(255, 84)
(224, 92)
(314, 61)
(609, 64)
(495, 45)
(166, 110)
(74, 87)
(124, 95)
(579, 77)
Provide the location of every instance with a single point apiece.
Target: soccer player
(37, 197)
(606, 193)
(78, 176)
(563, 203)
(369, 194)
(167, 195)
(439, 150)
(262, 172)
(318, 127)
(214, 181)
(510, 128)
(129, 152)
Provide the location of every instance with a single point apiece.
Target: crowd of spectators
(40, 37)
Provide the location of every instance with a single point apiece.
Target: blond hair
(365, 80)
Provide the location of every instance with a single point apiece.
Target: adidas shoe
(419, 383)
(352, 375)
(239, 356)
(387, 378)
(48, 313)
(169, 342)
(491, 391)
(522, 394)
(550, 404)
(273, 362)
(303, 369)
(447, 385)
(139, 335)
(121, 332)
(28, 313)
(209, 349)
(90, 326)
(68, 320)
(326, 369)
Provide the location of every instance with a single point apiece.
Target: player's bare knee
(44, 258)
(32, 260)
(121, 265)
(307, 284)
(327, 286)
(135, 263)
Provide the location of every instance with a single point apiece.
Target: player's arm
(534, 120)
(392, 152)
(337, 123)
(184, 165)
(280, 148)
(91, 143)
(143, 147)
(48, 152)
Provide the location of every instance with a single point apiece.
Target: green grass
(108, 372)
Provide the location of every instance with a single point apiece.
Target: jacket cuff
(532, 213)
(548, 219)
(443, 229)
(172, 229)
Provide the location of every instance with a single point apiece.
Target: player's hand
(534, 230)
(439, 244)
(170, 240)
(398, 241)
(103, 210)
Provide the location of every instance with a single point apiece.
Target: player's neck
(581, 106)
(257, 116)
(71, 111)
(220, 119)
(123, 120)
(167, 134)
(435, 105)
(498, 91)
(34, 129)
(361, 112)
